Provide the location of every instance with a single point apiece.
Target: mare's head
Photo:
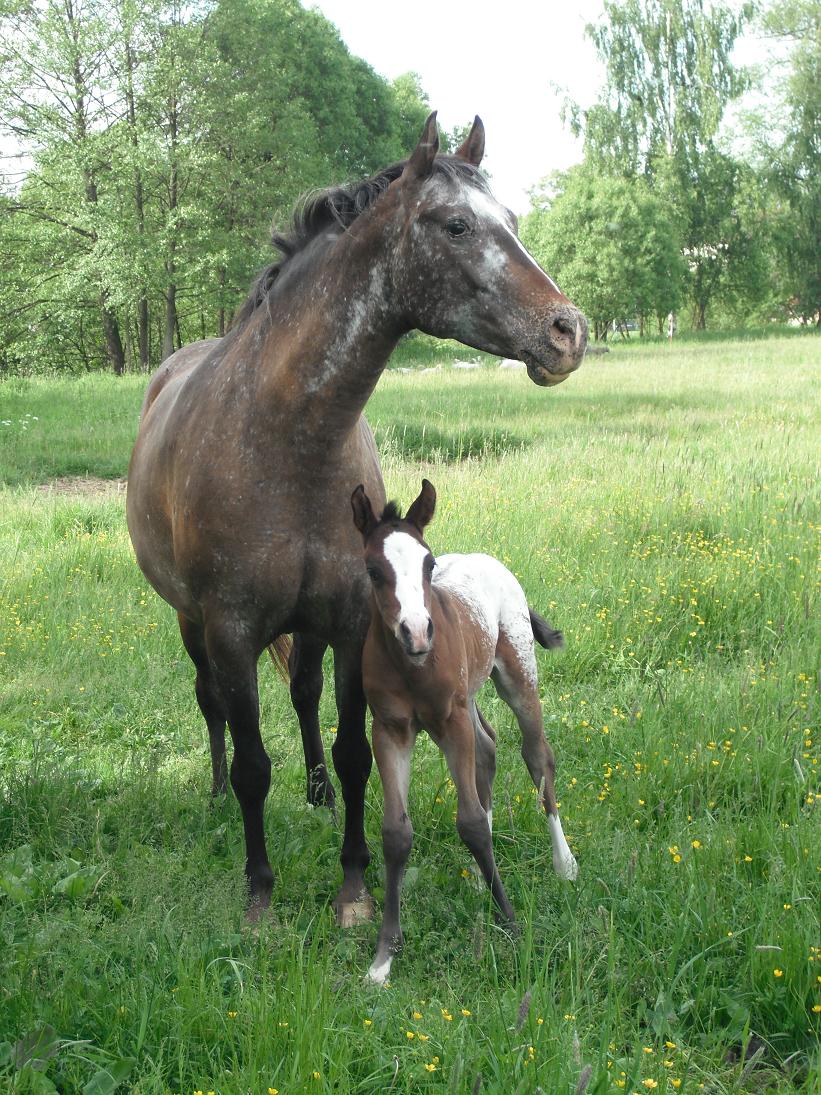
(400, 565)
(460, 271)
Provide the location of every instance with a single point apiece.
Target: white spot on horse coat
(406, 556)
(495, 600)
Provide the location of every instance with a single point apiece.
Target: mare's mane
(338, 207)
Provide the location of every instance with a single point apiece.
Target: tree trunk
(113, 342)
(170, 319)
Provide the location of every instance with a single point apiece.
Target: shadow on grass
(411, 441)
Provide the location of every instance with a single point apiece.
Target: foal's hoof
(349, 914)
(566, 868)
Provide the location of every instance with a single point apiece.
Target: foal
(435, 638)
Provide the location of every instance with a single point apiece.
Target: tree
(612, 244)
(788, 141)
(669, 78)
(163, 139)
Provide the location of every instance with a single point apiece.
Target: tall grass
(661, 508)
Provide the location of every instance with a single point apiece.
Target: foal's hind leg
(457, 739)
(516, 684)
(209, 700)
(305, 666)
(485, 762)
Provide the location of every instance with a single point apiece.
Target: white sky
(500, 65)
(509, 64)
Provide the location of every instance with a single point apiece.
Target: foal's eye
(375, 575)
(457, 227)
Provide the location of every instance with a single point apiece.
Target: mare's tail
(544, 633)
(280, 650)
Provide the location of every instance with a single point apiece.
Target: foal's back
(496, 604)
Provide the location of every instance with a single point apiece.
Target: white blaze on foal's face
(408, 560)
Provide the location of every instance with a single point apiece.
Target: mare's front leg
(392, 750)
(305, 667)
(234, 668)
(457, 740)
(209, 700)
(517, 687)
(352, 761)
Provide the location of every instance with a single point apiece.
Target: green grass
(661, 508)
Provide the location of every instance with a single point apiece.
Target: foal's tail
(280, 650)
(544, 633)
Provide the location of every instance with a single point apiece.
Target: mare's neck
(331, 330)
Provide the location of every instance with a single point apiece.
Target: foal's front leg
(392, 749)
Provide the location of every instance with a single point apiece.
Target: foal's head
(400, 565)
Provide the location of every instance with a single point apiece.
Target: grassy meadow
(661, 507)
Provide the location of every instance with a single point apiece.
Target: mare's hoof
(351, 913)
(567, 868)
(255, 912)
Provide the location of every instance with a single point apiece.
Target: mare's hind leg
(209, 701)
(516, 684)
(305, 666)
(352, 761)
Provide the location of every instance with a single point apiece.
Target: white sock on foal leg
(564, 862)
(379, 972)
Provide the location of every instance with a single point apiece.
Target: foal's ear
(363, 515)
(420, 164)
(422, 510)
(472, 147)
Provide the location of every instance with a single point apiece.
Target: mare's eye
(457, 227)
(429, 564)
(375, 575)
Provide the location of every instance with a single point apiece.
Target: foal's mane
(338, 207)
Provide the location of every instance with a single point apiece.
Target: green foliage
(788, 149)
(668, 79)
(612, 244)
(661, 512)
(167, 139)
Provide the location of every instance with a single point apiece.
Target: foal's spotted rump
(439, 629)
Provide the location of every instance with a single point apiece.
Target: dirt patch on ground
(83, 485)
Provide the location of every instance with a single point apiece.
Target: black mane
(391, 512)
(338, 207)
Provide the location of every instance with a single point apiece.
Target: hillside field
(661, 508)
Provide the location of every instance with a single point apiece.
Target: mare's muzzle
(562, 350)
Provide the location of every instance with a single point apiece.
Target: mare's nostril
(404, 630)
(430, 629)
(565, 327)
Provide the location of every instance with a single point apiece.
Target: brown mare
(240, 479)
(439, 629)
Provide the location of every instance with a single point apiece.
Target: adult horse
(249, 446)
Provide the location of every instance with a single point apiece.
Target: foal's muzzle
(416, 637)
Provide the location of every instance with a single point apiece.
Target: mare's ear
(472, 147)
(422, 510)
(420, 164)
(363, 515)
